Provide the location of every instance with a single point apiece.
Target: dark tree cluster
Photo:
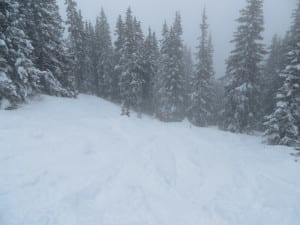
(32, 52)
(283, 123)
(138, 71)
(263, 94)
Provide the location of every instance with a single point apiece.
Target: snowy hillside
(78, 162)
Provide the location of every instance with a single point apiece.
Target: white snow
(4, 104)
(78, 162)
(2, 42)
(3, 77)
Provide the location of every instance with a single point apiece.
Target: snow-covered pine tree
(130, 78)
(76, 45)
(188, 75)
(105, 58)
(284, 124)
(44, 28)
(43, 25)
(271, 80)
(202, 108)
(150, 55)
(139, 66)
(138, 35)
(159, 87)
(18, 76)
(7, 88)
(5, 80)
(171, 74)
(242, 106)
(90, 64)
(218, 101)
(118, 51)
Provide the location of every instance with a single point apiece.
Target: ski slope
(78, 162)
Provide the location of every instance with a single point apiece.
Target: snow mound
(78, 162)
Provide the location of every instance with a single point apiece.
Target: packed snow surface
(78, 162)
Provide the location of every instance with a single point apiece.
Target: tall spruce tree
(43, 25)
(150, 58)
(271, 79)
(202, 108)
(159, 87)
(90, 59)
(284, 124)
(105, 58)
(131, 78)
(242, 107)
(139, 66)
(19, 78)
(118, 51)
(188, 74)
(76, 45)
(45, 30)
(7, 87)
(171, 74)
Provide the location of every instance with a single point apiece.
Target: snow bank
(78, 162)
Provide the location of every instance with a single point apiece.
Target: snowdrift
(78, 162)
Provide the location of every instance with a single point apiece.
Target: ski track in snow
(78, 162)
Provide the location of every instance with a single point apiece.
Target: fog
(222, 15)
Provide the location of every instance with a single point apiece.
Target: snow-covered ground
(78, 162)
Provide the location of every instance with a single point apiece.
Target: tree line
(260, 90)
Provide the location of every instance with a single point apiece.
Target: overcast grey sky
(221, 17)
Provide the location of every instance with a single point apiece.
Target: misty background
(222, 15)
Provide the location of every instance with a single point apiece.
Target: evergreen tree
(105, 58)
(151, 55)
(284, 124)
(18, 76)
(242, 108)
(118, 51)
(130, 80)
(271, 80)
(90, 59)
(159, 87)
(7, 88)
(171, 74)
(140, 63)
(201, 109)
(218, 100)
(44, 28)
(188, 73)
(76, 45)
